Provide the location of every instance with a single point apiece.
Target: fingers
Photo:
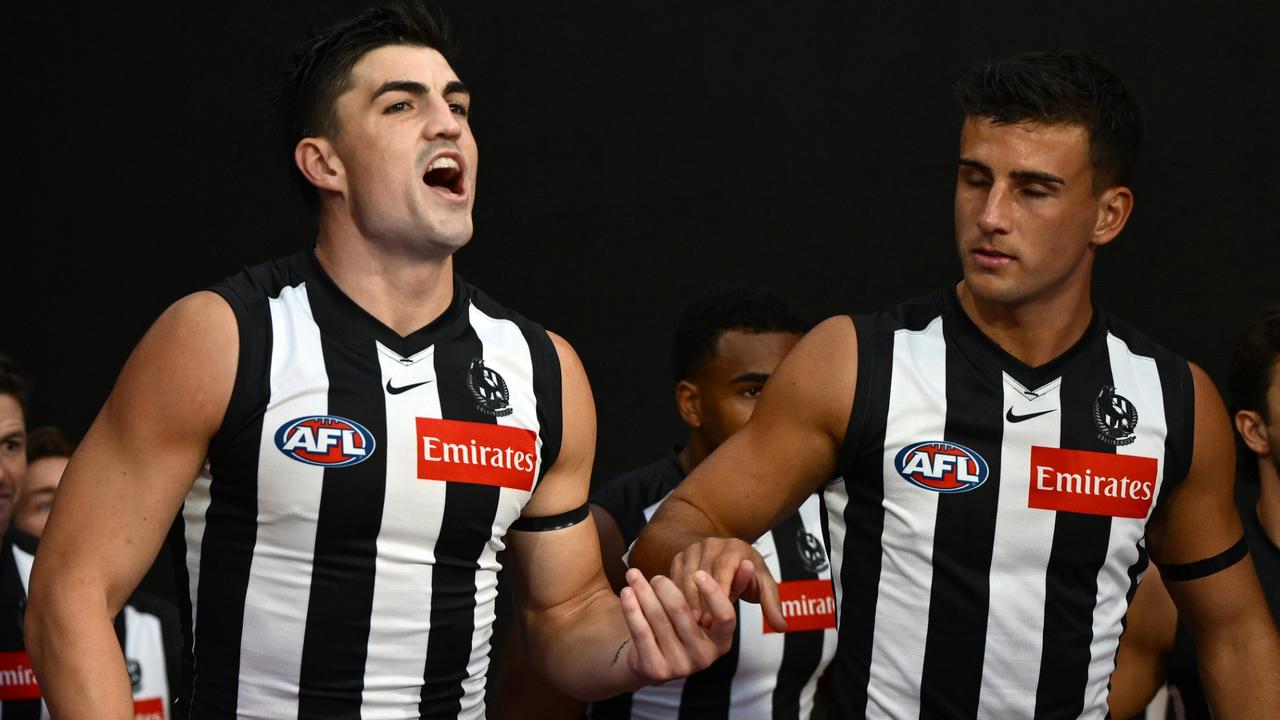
(659, 652)
(741, 579)
(766, 591)
(682, 568)
(720, 611)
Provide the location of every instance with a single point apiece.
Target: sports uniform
(764, 674)
(147, 629)
(987, 526)
(341, 542)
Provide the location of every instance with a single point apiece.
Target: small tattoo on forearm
(618, 653)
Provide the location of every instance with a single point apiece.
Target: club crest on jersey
(941, 466)
(489, 389)
(325, 440)
(1115, 417)
(812, 556)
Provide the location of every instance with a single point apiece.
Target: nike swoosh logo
(1019, 418)
(397, 390)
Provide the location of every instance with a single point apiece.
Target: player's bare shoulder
(818, 377)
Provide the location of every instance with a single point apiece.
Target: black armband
(1208, 566)
(552, 522)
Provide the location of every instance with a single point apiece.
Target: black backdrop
(632, 154)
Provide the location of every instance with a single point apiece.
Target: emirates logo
(488, 389)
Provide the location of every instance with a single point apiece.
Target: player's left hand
(666, 641)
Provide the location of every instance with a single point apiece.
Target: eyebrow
(406, 86)
(750, 378)
(1035, 175)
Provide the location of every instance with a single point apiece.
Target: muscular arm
(591, 643)
(1236, 640)
(763, 472)
(1142, 659)
(117, 500)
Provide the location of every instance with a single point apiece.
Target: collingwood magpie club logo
(488, 389)
(812, 555)
(1115, 417)
(135, 673)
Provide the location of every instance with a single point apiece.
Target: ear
(689, 403)
(319, 163)
(1254, 432)
(1114, 206)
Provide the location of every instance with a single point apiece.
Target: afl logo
(325, 440)
(941, 467)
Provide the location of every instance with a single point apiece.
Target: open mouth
(445, 175)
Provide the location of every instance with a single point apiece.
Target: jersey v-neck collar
(985, 352)
(354, 323)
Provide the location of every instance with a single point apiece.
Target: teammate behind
(1156, 647)
(348, 438)
(48, 452)
(998, 457)
(726, 345)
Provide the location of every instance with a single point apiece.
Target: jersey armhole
(861, 399)
(251, 364)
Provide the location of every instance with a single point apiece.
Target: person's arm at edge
(1143, 656)
(1237, 645)
(117, 500)
(591, 643)
(762, 473)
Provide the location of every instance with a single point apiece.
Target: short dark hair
(710, 315)
(321, 70)
(48, 442)
(12, 382)
(1253, 369)
(1061, 86)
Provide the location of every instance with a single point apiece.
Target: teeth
(442, 163)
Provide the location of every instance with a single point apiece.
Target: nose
(994, 218)
(441, 120)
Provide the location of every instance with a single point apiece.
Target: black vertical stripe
(863, 521)
(335, 641)
(801, 650)
(1079, 550)
(210, 684)
(465, 530)
(709, 694)
(180, 682)
(964, 538)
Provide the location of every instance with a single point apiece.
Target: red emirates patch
(17, 679)
(148, 709)
(1092, 483)
(807, 605)
(478, 453)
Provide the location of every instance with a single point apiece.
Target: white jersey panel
(288, 508)
(917, 412)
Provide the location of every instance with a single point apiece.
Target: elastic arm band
(552, 522)
(1208, 566)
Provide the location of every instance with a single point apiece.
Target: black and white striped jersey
(146, 627)
(988, 526)
(341, 542)
(764, 674)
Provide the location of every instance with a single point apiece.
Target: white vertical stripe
(836, 498)
(1019, 559)
(1135, 378)
(412, 513)
(507, 352)
(759, 654)
(917, 413)
(658, 702)
(194, 509)
(144, 643)
(288, 508)
(811, 516)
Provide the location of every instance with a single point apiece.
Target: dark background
(632, 155)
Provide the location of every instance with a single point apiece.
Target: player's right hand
(736, 567)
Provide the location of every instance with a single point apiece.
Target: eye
(975, 181)
(752, 391)
(13, 446)
(396, 107)
(459, 109)
(1034, 192)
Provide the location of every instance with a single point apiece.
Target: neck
(1269, 499)
(694, 452)
(1035, 331)
(403, 291)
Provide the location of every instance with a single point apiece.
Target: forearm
(1241, 671)
(584, 653)
(676, 526)
(77, 658)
